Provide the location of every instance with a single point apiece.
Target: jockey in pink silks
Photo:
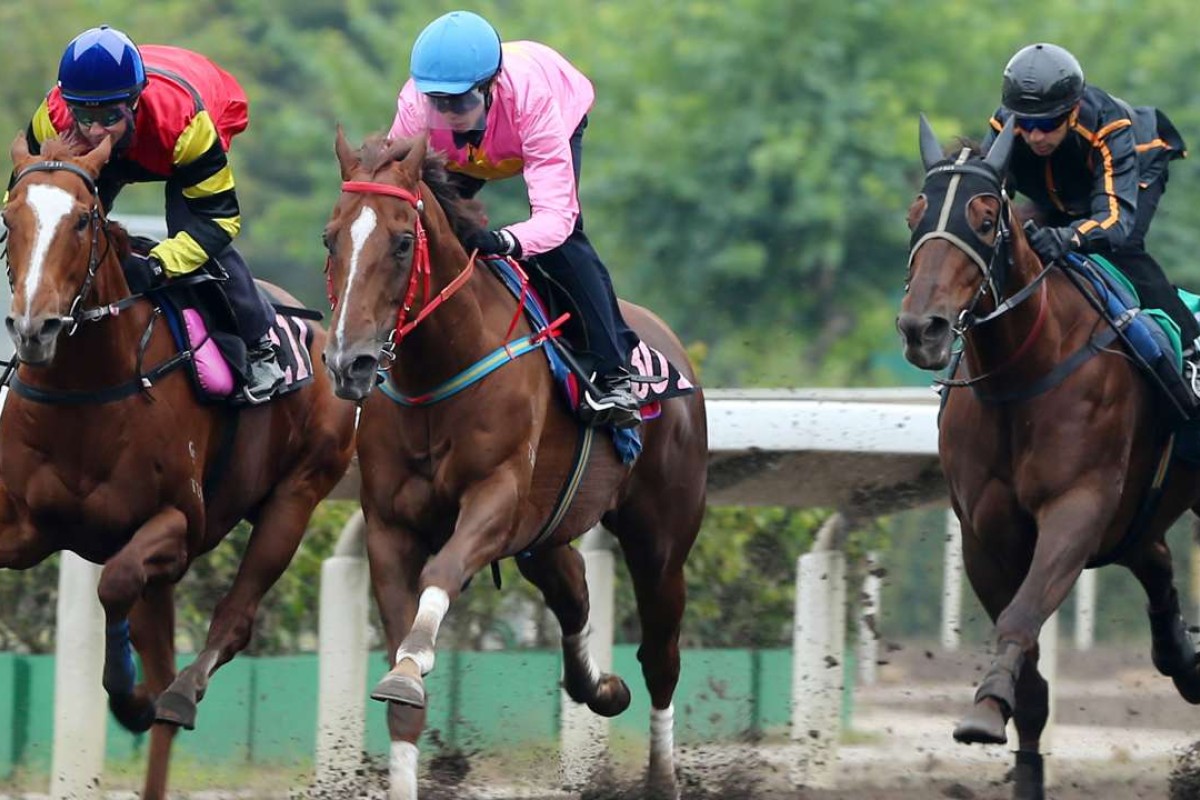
(519, 108)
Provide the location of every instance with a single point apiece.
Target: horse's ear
(20, 149)
(1001, 149)
(347, 160)
(414, 162)
(98, 157)
(931, 149)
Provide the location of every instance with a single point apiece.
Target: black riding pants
(1152, 285)
(597, 328)
(253, 313)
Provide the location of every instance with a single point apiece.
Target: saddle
(203, 324)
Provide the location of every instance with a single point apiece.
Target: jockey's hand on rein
(143, 272)
(1051, 244)
(494, 243)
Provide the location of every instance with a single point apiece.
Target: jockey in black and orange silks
(172, 114)
(1094, 167)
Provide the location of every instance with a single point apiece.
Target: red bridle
(421, 272)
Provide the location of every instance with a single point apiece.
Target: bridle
(97, 223)
(420, 275)
(945, 218)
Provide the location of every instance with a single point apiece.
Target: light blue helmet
(455, 53)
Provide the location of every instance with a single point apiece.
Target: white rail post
(1048, 666)
(584, 735)
(342, 698)
(818, 650)
(952, 569)
(868, 623)
(80, 704)
(1085, 610)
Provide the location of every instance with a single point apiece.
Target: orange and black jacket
(1091, 181)
(185, 119)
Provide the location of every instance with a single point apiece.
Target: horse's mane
(465, 215)
(971, 145)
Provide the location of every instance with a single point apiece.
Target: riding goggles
(106, 116)
(1043, 124)
(457, 103)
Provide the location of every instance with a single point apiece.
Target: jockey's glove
(143, 272)
(1051, 244)
(494, 243)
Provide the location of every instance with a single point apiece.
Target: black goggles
(1043, 124)
(107, 116)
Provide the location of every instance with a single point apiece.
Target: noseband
(75, 315)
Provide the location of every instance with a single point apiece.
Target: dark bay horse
(453, 486)
(1050, 454)
(134, 473)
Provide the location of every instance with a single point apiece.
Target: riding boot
(617, 405)
(263, 372)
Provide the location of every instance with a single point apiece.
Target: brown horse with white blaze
(1056, 451)
(453, 486)
(106, 451)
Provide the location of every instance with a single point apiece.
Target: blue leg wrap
(119, 670)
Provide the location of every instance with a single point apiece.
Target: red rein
(421, 272)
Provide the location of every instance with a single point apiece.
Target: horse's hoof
(133, 715)
(174, 708)
(1188, 686)
(401, 689)
(983, 724)
(612, 696)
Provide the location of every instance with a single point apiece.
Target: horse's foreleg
(1172, 648)
(486, 518)
(396, 558)
(21, 546)
(153, 631)
(156, 552)
(273, 542)
(1067, 529)
(559, 573)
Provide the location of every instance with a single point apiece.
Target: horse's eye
(987, 226)
(82, 222)
(403, 247)
(327, 241)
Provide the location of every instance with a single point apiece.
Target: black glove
(143, 273)
(494, 243)
(1051, 244)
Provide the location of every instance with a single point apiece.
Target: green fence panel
(773, 705)
(34, 710)
(283, 728)
(8, 716)
(223, 721)
(508, 698)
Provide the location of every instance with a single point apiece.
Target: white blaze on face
(50, 205)
(360, 231)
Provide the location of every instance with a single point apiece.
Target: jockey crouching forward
(1094, 167)
(171, 114)
(519, 108)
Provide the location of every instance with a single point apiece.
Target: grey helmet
(1042, 80)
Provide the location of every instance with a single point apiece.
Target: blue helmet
(101, 65)
(455, 53)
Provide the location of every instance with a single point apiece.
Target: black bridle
(945, 218)
(97, 223)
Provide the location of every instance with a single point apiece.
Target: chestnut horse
(451, 487)
(107, 452)
(1051, 455)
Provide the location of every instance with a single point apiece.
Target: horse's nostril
(363, 366)
(936, 328)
